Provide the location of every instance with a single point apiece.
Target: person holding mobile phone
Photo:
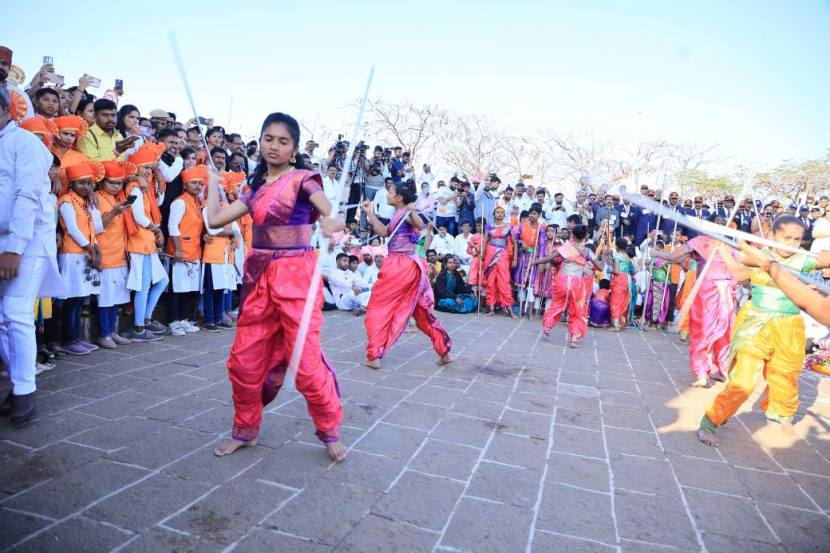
(103, 142)
(112, 241)
(126, 122)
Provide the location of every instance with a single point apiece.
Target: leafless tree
(412, 126)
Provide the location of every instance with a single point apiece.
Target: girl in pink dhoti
(570, 291)
(712, 312)
(402, 290)
(284, 201)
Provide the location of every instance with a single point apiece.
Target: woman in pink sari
(499, 258)
(402, 290)
(712, 313)
(284, 201)
(569, 289)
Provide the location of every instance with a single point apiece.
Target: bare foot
(574, 343)
(510, 314)
(489, 313)
(708, 438)
(787, 429)
(445, 360)
(410, 329)
(615, 329)
(701, 382)
(719, 377)
(337, 451)
(372, 363)
(232, 445)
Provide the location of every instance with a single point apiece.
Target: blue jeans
(448, 222)
(212, 301)
(227, 301)
(107, 319)
(72, 319)
(145, 301)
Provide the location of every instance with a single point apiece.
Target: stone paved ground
(521, 445)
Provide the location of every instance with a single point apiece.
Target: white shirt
(445, 208)
(27, 205)
(342, 281)
(369, 273)
(330, 188)
(443, 245)
(177, 209)
(461, 243)
(425, 203)
(170, 172)
(524, 202)
(821, 226)
(138, 208)
(380, 206)
(426, 177)
(70, 221)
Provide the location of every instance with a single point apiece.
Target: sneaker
(145, 336)
(225, 324)
(120, 340)
(87, 345)
(75, 349)
(155, 327)
(212, 328)
(41, 368)
(226, 319)
(177, 329)
(234, 315)
(189, 326)
(44, 351)
(4, 373)
(107, 343)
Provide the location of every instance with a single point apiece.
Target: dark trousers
(212, 302)
(355, 193)
(72, 319)
(107, 320)
(672, 298)
(181, 305)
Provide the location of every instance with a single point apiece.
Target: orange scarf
(148, 199)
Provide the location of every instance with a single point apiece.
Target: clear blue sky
(749, 75)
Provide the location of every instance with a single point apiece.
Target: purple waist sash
(401, 243)
(283, 237)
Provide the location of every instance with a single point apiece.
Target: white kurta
(72, 267)
(113, 290)
(223, 274)
(186, 277)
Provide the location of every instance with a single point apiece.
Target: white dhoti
(223, 275)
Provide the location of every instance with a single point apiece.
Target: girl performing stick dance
(402, 289)
(284, 201)
(621, 286)
(543, 274)
(499, 257)
(712, 312)
(768, 338)
(569, 290)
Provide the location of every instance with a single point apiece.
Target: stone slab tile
(156, 540)
(586, 473)
(728, 516)
(517, 450)
(576, 512)
(376, 534)
(799, 530)
(392, 441)
(16, 526)
(544, 542)
(487, 527)
(464, 430)
(578, 441)
(263, 539)
(227, 513)
(75, 535)
(76, 489)
(510, 485)
(143, 505)
(24, 470)
(420, 500)
(325, 512)
(445, 459)
(636, 515)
